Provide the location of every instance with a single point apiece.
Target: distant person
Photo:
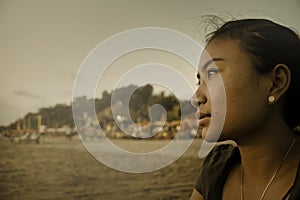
(259, 62)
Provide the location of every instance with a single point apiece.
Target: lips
(201, 115)
(204, 119)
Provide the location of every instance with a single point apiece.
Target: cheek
(216, 101)
(244, 112)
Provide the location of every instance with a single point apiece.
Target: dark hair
(269, 44)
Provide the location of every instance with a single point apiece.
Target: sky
(44, 42)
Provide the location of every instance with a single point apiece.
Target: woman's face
(246, 92)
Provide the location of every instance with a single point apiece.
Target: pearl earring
(271, 99)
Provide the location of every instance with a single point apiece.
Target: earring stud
(271, 99)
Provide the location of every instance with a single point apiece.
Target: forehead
(228, 50)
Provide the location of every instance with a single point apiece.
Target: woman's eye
(211, 72)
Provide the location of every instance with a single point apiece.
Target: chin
(211, 137)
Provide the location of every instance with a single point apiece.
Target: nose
(199, 97)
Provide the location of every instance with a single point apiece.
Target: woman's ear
(281, 78)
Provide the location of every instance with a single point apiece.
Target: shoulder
(219, 155)
(216, 167)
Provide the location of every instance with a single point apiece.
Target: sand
(61, 169)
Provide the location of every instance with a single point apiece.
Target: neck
(262, 155)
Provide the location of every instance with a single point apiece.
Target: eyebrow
(211, 61)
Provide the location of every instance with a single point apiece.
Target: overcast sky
(44, 42)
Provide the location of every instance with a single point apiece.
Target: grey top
(217, 166)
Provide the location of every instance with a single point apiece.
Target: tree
(139, 102)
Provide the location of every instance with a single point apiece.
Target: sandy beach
(61, 169)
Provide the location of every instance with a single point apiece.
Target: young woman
(259, 63)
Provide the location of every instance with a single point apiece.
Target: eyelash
(209, 71)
